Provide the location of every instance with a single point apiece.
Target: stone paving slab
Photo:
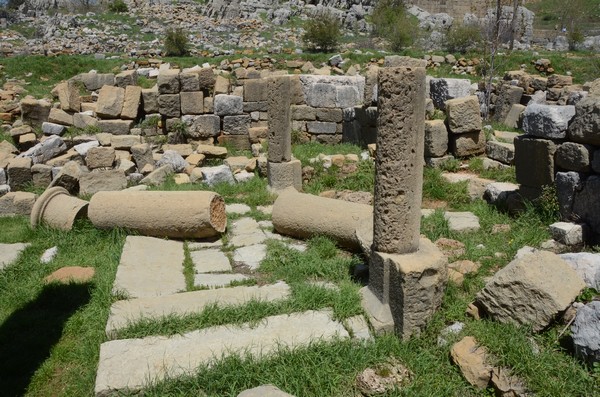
(199, 245)
(239, 209)
(150, 267)
(210, 260)
(217, 280)
(251, 255)
(462, 221)
(132, 363)
(359, 327)
(246, 231)
(128, 311)
(9, 253)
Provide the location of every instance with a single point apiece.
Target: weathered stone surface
(498, 192)
(125, 141)
(68, 177)
(415, 286)
(102, 180)
(255, 90)
(442, 90)
(585, 332)
(59, 116)
(284, 175)
(115, 127)
(206, 79)
(68, 95)
(129, 363)
(168, 81)
(500, 151)
(158, 176)
(572, 156)
(212, 151)
(547, 121)
(320, 127)
(217, 174)
(150, 100)
(400, 141)
(332, 91)
(9, 253)
(17, 203)
(587, 265)
(585, 127)
(436, 138)
(126, 78)
(463, 115)
(131, 102)
(192, 102)
(19, 173)
(462, 221)
(71, 274)
(100, 157)
(471, 359)
(210, 260)
(531, 290)
(95, 81)
(110, 102)
(245, 232)
(236, 125)
(169, 105)
(567, 184)
(391, 61)
(210, 280)
(467, 144)
(125, 311)
(280, 129)
(142, 155)
(174, 159)
(158, 262)
(228, 105)
(514, 116)
(264, 391)
(534, 161)
(34, 112)
(568, 233)
(251, 255)
(42, 175)
(508, 96)
(84, 120)
(585, 205)
(189, 82)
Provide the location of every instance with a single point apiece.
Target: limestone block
(559, 81)
(467, 144)
(68, 177)
(256, 134)
(587, 265)
(221, 85)
(547, 121)
(236, 125)
(567, 184)
(83, 120)
(280, 133)
(95, 81)
(46, 149)
(255, 90)
(102, 180)
(405, 290)
(204, 126)
(100, 157)
(34, 112)
(531, 290)
(68, 95)
(19, 173)
(284, 175)
(585, 332)
(568, 233)
(52, 129)
(212, 151)
(572, 156)
(131, 103)
(319, 127)
(329, 115)
(508, 96)
(125, 141)
(436, 138)
(585, 205)
(199, 213)
(189, 82)
(206, 79)
(534, 161)
(192, 102)
(472, 359)
(169, 105)
(142, 155)
(264, 391)
(17, 203)
(500, 151)
(463, 115)
(332, 91)
(110, 102)
(391, 61)
(41, 174)
(209, 104)
(150, 100)
(303, 112)
(59, 116)
(514, 116)
(228, 105)
(442, 90)
(126, 78)
(168, 82)
(218, 174)
(585, 127)
(250, 107)
(115, 127)
(157, 176)
(184, 149)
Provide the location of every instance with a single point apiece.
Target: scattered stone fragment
(471, 359)
(210, 260)
(9, 253)
(251, 255)
(569, 233)
(246, 231)
(585, 332)
(450, 248)
(264, 391)
(359, 328)
(385, 377)
(71, 274)
(49, 255)
(587, 266)
(462, 221)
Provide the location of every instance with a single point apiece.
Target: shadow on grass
(28, 335)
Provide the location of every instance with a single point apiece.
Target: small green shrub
(322, 32)
(575, 37)
(462, 38)
(117, 6)
(392, 22)
(176, 43)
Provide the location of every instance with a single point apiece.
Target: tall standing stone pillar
(407, 273)
(282, 170)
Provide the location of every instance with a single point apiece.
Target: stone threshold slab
(149, 267)
(129, 311)
(130, 364)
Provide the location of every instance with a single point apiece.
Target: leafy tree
(176, 43)
(322, 32)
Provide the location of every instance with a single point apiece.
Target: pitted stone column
(282, 170)
(407, 273)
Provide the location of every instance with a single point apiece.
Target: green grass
(56, 331)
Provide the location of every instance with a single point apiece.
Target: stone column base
(284, 175)
(405, 290)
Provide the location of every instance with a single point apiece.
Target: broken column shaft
(407, 273)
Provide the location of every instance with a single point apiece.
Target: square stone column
(407, 273)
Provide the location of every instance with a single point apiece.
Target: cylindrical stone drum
(189, 214)
(57, 208)
(304, 215)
